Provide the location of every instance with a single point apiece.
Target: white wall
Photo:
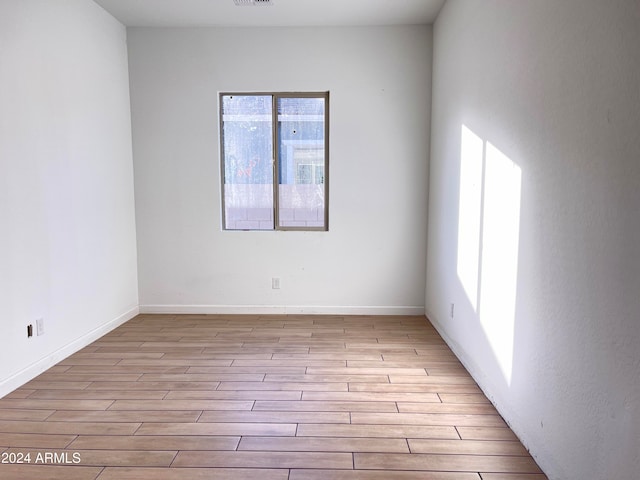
(373, 257)
(67, 242)
(550, 91)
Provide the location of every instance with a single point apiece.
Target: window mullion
(276, 166)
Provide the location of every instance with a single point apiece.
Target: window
(274, 150)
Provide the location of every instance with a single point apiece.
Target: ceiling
(190, 13)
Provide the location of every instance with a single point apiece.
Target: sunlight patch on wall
(488, 240)
(500, 240)
(469, 213)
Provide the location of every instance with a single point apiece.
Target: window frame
(275, 96)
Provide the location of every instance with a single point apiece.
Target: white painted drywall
(373, 257)
(555, 87)
(67, 241)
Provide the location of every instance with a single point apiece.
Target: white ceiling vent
(252, 3)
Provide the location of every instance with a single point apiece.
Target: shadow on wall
(488, 240)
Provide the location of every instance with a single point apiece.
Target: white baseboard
(36, 368)
(282, 310)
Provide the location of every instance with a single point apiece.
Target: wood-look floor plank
(245, 459)
(323, 444)
(55, 385)
(371, 397)
(178, 362)
(429, 351)
(127, 369)
(433, 380)
(126, 416)
(82, 377)
(365, 371)
(190, 354)
(35, 440)
(234, 395)
(150, 344)
(447, 371)
(183, 350)
(249, 351)
(457, 463)
(50, 472)
(143, 442)
(203, 377)
(413, 387)
(238, 354)
(224, 429)
(463, 408)
(377, 431)
(19, 414)
(191, 473)
(486, 433)
(71, 361)
(343, 356)
(58, 369)
(427, 419)
(74, 428)
(328, 378)
(418, 362)
(512, 476)
(296, 386)
(324, 406)
(47, 404)
(181, 405)
(275, 417)
(306, 474)
(99, 394)
(20, 393)
(289, 332)
(354, 352)
(408, 357)
(252, 370)
(120, 355)
(467, 447)
(291, 362)
(100, 385)
(464, 398)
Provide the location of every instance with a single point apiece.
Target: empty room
(330, 239)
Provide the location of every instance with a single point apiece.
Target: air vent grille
(252, 3)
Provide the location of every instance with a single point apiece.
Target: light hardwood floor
(265, 397)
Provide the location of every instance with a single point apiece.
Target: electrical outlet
(29, 330)
(275, 283)
(39, 326)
